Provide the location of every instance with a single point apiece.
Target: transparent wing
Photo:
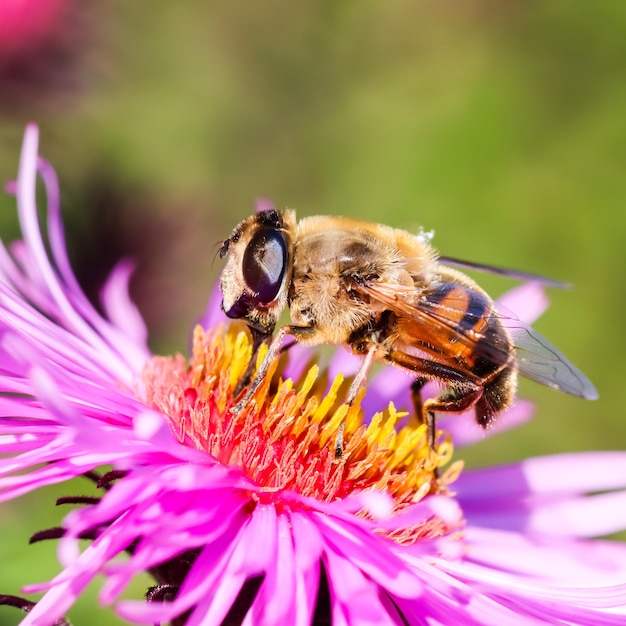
(440, 325)
(542, 362)
(502, 271)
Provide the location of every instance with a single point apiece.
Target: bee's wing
(541, 361)
(502, 271)
(438, 326)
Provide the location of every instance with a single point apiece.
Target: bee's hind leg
(418, 406)
(454, 401)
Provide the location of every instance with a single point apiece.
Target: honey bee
(387, 295)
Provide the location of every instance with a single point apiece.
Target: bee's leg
(418, 405)
(424, 417)
(466, 388)
(416, 395)
(339, 441)
(258, 339)
(361, 375)
(357, 383)
(272, 353)
(456, 401)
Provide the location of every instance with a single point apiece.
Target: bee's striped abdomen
(469, 313)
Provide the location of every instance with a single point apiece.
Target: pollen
(284, 437)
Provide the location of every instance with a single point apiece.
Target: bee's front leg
(259, 337)
(273, 351)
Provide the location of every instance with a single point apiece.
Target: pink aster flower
(25, 23)
(248, 518)
(45, 48)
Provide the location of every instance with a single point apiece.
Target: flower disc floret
(284, 437)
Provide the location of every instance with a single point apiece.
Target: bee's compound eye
(264, 264)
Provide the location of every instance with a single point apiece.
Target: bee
(387, 295)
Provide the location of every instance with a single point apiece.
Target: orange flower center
(284, 437)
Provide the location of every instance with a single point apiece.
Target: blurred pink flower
(248, 519)
(26, 23)
(45, 52)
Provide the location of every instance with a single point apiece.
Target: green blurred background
(500, 125)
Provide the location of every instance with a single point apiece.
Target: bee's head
(255, 279)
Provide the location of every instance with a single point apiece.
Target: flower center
(284, 437)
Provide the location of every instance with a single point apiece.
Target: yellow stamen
(284, 437)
